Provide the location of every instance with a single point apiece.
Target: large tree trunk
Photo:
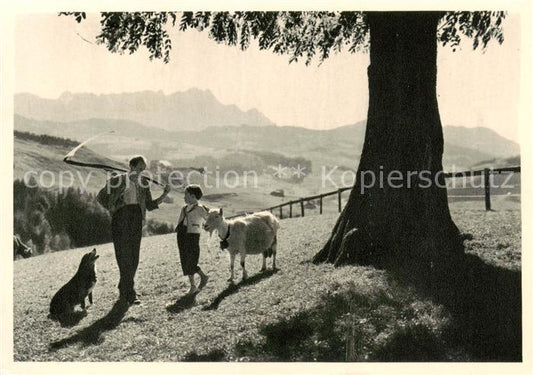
(384, 224)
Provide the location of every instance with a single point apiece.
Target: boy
(188, 229)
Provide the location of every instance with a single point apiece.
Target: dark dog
(77, 289)
(20, 248)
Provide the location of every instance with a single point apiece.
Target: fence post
(339, 192)
(321, 205)
(281, 212)
(486, 174)
(302, 206)
(290, 209)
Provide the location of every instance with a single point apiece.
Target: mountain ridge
(180, 110)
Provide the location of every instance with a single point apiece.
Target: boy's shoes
(192, 291)
(203, 281)
(130, 300)
(134, 301)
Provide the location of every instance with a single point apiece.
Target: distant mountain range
(189, 110)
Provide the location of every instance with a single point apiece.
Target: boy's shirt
(192, 216)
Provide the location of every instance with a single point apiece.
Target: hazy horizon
(275, 124)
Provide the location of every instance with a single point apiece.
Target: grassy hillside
(231, 146)
(302, 312)
(235, 196)
(480, 139)
(498, 162)
(341, 146)
(32, 158)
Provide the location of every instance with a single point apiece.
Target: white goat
(251, 234)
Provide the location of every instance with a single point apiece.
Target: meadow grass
(302, 312)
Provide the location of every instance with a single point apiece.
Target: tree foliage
(300, 35)
(46, 139)
(59, 220)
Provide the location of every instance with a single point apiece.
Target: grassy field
(303, 312)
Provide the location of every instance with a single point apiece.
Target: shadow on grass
(234, 288)
(182, 304)
(485, 303)
(216, 355)
(307, 336)
(70, 320)
(91, 335)
(325, 332)
(412, 343)
(288, 337)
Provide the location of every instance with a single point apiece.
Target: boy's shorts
(189, 250)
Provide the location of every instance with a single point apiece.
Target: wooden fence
(300, 203)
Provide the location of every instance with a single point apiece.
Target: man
(127, 197)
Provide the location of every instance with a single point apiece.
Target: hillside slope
(463, 147)
(481, 139)
(300, 312)
(333, 154)
(45, 164)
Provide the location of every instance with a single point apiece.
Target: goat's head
(213, 221)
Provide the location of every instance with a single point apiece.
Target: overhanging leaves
(300, 35)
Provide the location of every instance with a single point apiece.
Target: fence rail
(487, 172)
(482, 172)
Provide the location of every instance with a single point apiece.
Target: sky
(55, 54)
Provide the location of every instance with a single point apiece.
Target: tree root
(354, 249)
